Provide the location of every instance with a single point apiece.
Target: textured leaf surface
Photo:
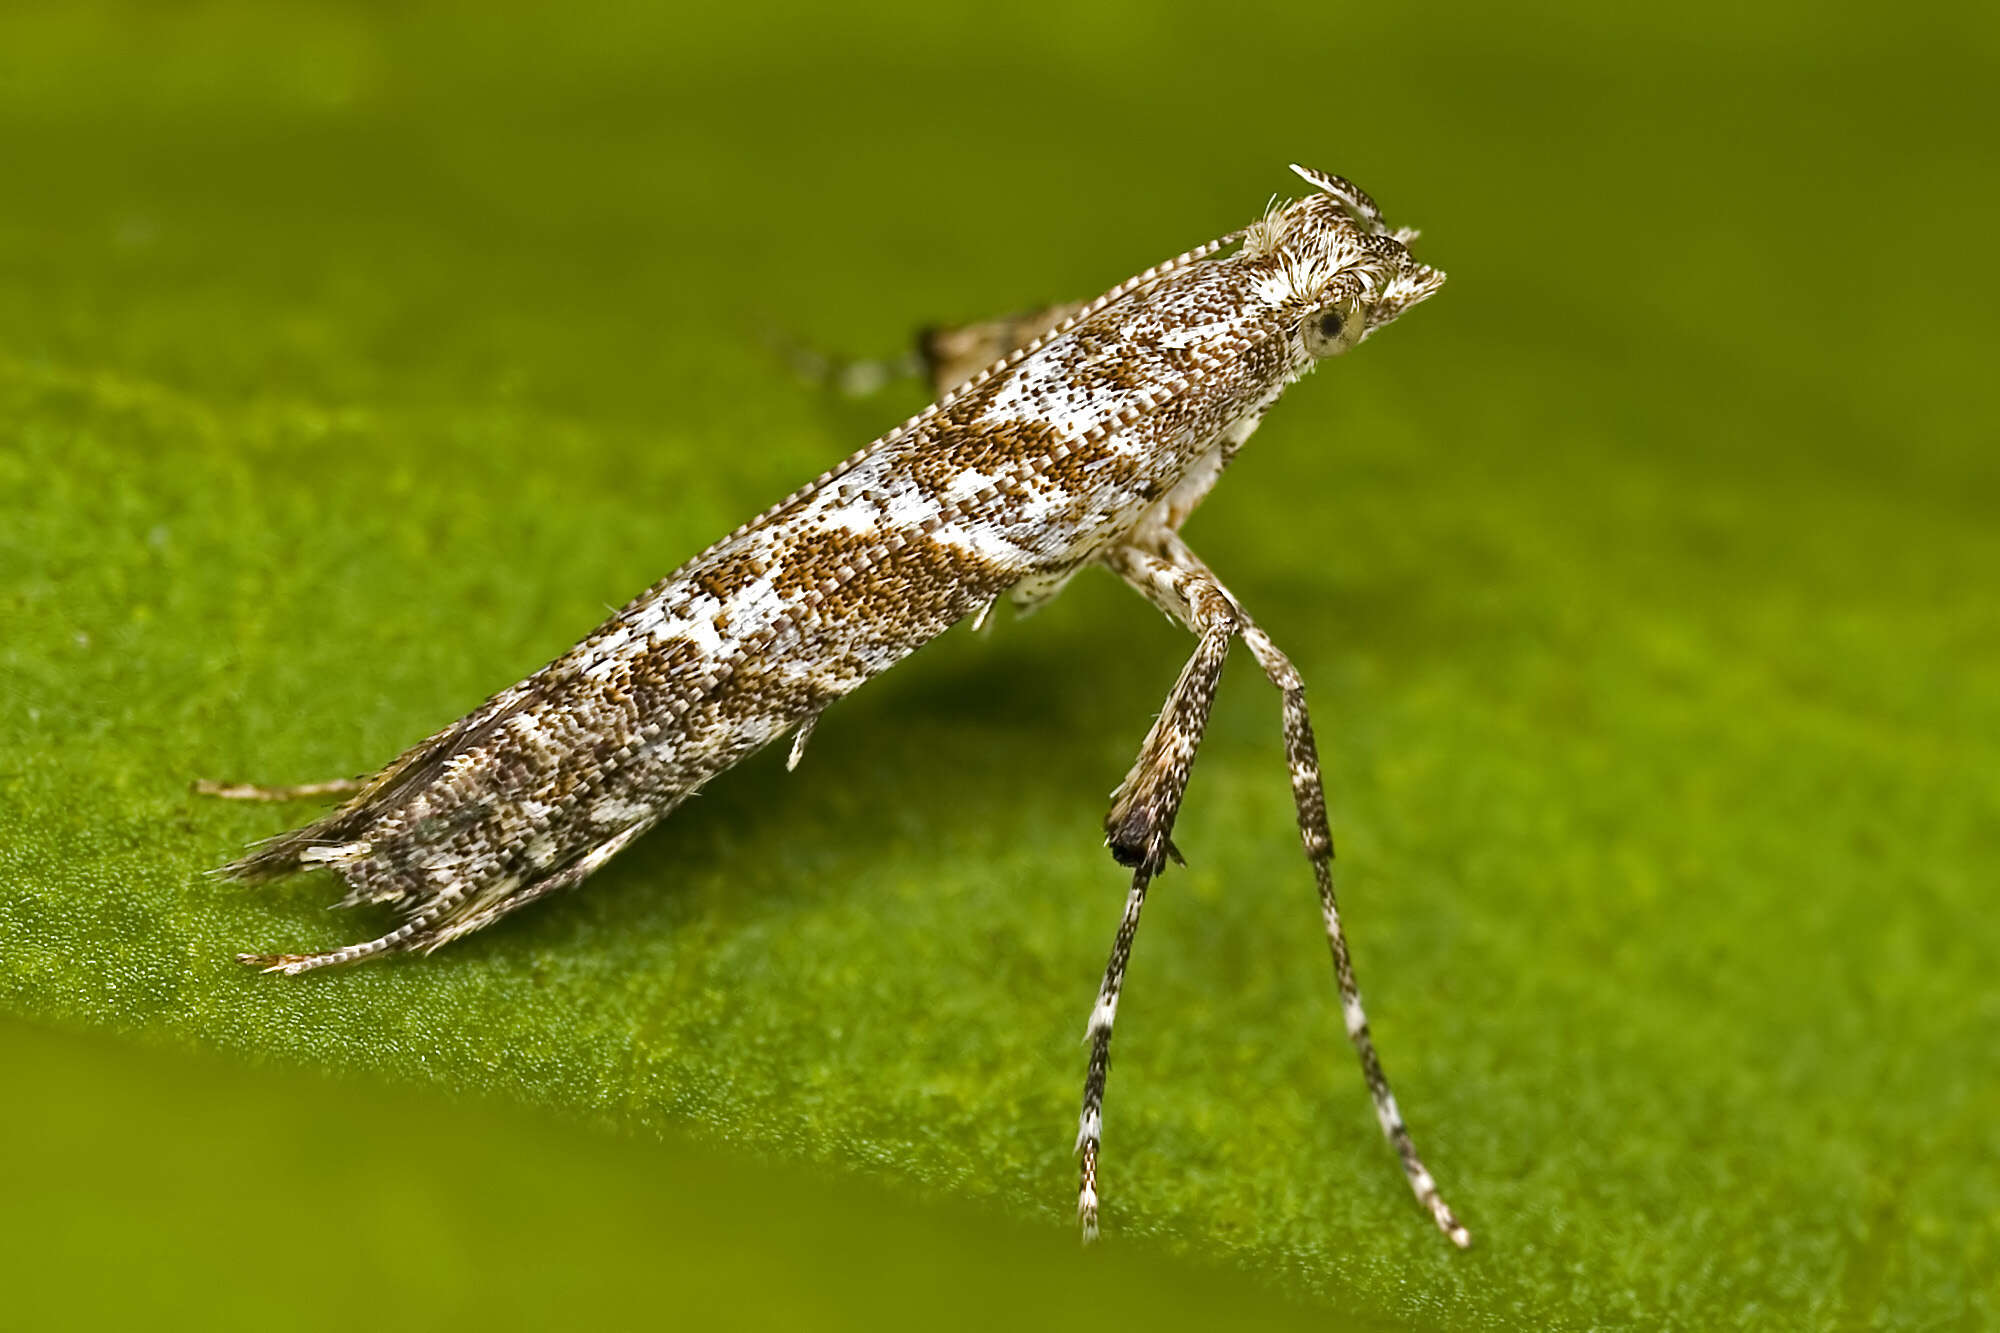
(353, 360)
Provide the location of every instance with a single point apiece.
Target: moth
(1087, 441)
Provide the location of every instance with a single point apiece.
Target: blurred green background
(354, 358)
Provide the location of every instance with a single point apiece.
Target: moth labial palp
(1087, 439)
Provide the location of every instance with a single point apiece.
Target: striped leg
(951, 356)
(298, 791)
(1139, 830)
(1090, 1126)
(1310, 796)
(944, 356)
(452, 914)
(1167, 579)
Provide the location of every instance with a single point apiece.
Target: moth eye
(1332, 331)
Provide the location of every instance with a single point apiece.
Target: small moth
(1088, 441)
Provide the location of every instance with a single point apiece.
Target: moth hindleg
(451, 913)
(952, 354)
(944, 356)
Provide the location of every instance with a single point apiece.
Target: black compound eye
(1330, 325)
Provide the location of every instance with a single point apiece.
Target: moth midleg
(1140, 829)
(297, 791)
(1164, 579)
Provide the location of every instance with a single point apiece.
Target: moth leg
(298, 791)
(1309, 794)
(952, 354)
(1090, 1125)
(944, 356)
(1169, 577)
(450, 913)
(1139, 830)
(415, 933)
(484, 910)
(1140, 824)
(851, 378)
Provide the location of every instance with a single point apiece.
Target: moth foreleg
(1164, 575)
(1140, 825)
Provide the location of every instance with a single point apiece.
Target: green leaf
(353, 359)
(181, 1186)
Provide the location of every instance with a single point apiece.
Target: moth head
(1335, 266)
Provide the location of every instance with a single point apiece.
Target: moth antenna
(1352, 197)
